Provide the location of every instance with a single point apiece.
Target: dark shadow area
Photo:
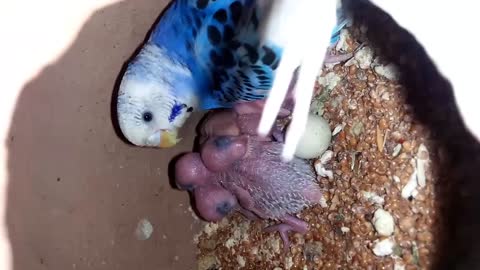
(458, 158)
(76, 190)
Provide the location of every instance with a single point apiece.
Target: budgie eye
(147, 116)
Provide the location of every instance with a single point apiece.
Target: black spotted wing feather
(227, 50)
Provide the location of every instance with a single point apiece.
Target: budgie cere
(201, 55)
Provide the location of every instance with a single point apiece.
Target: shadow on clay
(76, 189)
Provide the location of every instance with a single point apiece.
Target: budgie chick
(200, 55)
(212, 201)
(245, 173)
(300, 48)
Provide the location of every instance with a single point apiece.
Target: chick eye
(147, 116)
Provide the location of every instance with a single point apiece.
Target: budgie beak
(163, 139)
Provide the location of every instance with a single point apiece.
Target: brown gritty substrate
(379, 157)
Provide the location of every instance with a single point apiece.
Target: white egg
(316, 138)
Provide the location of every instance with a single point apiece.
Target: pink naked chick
(239, 171)
(212, 201)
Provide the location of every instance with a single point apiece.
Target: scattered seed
(422, 158)
(143, 230)
(353, 187)
(410, 189)
(396, 150)
(380, 140)
(337, 129)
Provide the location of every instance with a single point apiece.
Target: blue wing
(219, 42)
(204, 35)
(229, 53)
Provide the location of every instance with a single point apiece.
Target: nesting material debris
(388, 71)
(384, 247)
(383, 222)
(373, 197)
(320, 165)
(144, 229)
(422, 159)
(378, 209)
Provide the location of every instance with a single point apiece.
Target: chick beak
(164, 139)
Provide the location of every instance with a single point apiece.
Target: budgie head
(155, 98)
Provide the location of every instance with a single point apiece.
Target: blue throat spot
(176, 110)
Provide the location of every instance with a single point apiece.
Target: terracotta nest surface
(379, 206)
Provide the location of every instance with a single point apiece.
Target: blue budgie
(201, 55)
